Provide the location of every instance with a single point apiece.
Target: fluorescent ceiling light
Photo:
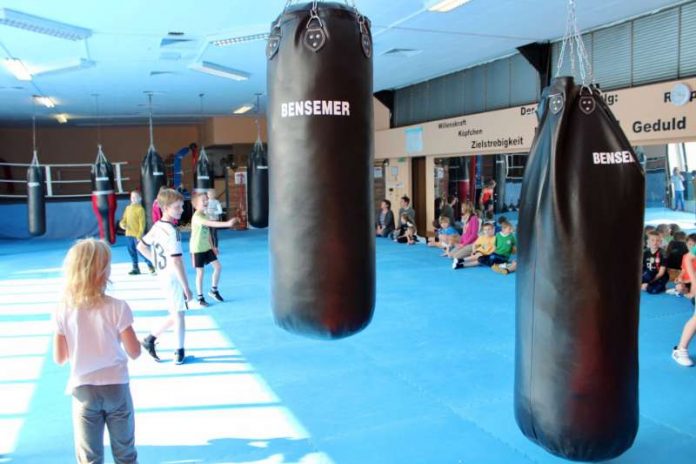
(243, 109)
(240, 39)
(17, 68)
(45, 101)
(40, 25)
(73, 65)
(62, 118)
(446, 5)
(219, 70)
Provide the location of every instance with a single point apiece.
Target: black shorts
(201, 259)
(490, 260)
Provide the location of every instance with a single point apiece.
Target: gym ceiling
(123, 50)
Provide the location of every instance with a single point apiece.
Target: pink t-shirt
(470, 233)
(94, 344)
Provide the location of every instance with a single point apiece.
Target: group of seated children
(491, 249)
(667, 256)
(668, 248)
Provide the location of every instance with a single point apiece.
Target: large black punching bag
(104, 197)
(578, 279)
(204, 173)
(257, 186)
(36, 199)
(152, 177)
(320, 161)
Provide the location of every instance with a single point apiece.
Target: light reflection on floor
(216, 397)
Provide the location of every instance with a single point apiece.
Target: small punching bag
(320, 161)
(103, 197)
(204, 174)
(578, 289)
(152, 177)
(257, 186)
(36, 198)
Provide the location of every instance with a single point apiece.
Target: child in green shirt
(201, 246)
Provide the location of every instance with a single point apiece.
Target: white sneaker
(681, 356)
(672, 291)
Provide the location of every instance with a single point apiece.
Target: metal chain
(152, 137)
(256, 121)
(35, 159)
(573, 40)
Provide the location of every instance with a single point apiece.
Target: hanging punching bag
(36, 199)
(104, 197)
(578, 290)
(257, 186)
(320, 158)
(204, 174)
(152, 177)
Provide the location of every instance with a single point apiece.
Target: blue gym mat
(429, 381)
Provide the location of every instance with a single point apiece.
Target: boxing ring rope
(50, 169)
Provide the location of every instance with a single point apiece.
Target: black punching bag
(152, 177)
(204, 174)
(578, 280)
(320, 160)
(104, 197)
(36, 199)
(257, 186)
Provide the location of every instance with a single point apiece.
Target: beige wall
(512, 130)
(397, 177)
(79, 145)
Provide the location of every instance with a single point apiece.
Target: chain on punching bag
(257, 186)
(576, 372)
(36, 198)
(104, 197)
(320, 156)
(152, 177)
(204, 174)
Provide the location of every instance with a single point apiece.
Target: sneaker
(149, 344)
(681, 356)
(179, 356)
(216, 295)
(134, 271)
(457, 263)
(151, 269)
(202, 303)
(500, 269)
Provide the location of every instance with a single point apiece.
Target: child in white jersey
(162, 246)
(90, 329)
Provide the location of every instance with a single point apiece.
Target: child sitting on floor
(655, 275)
(484, 246)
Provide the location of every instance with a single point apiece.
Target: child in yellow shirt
(133, 222)
(483, 246)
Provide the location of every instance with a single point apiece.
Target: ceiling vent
(402, 52)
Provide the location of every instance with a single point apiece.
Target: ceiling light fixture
(17, 68)
(73, 65)
(219, 71)
(40, 25)
(243, 109)
(62, 118)
(45, 101)
(240, 39)
(444, 6)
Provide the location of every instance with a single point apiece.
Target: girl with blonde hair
(92, 330)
